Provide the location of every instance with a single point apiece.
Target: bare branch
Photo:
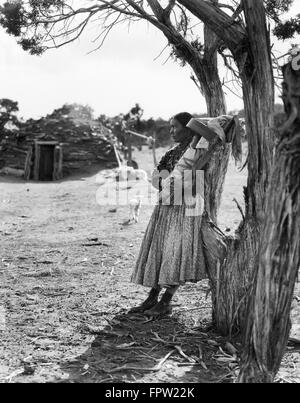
(72, 39)
(62, 17)
(157, 9)
(233, 92)
(106, 32)
(228, 64)
(160, 53)
(140, 12)
(193, 78)
(221, 5)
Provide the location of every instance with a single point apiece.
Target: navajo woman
(172, 249)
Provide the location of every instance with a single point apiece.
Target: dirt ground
(65, 266)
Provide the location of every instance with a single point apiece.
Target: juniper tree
(241, 34)
(8, 119)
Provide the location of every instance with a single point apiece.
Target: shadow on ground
(133, 349)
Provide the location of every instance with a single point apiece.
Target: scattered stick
(231, 375)
(14, 374)
(105, 380)
(151, 319)
(154, 369)
(225, 354)
(195, 309)
(190, 360)
(95, 244)
(232, 350)
(189, 364)
(159, 339)
(281, 378)
(200, 352)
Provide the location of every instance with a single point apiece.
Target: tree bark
(205, 69)
(236, 274)
(231, 283)
(258, 88)
(279, 260)
(216, 106)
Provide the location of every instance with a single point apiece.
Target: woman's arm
(182, 176)
(158, 178)
(155, 178)
(202, 161)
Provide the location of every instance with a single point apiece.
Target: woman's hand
(195, 140)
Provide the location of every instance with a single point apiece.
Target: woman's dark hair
(183, 118)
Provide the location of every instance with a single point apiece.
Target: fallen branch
(14, 374)
(154, 369)
(190, 360)
(189, 364)
(95, 244)
(105, 380)
(195, 309)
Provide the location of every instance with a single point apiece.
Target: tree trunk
(216, 106)
(208, 77)
(210, 82)
(268, 317)
(206, 70)
(233, 280)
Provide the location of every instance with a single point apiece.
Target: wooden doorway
(46, 165)
(48, 161)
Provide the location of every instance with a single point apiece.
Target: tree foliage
(284, 29)
(9, 121)
(75, 111)
(43, 24)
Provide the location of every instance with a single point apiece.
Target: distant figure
(133, 117)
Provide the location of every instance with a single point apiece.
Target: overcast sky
(111, 80)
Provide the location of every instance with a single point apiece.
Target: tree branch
(169, 8)
(157, 9)
(231, 32)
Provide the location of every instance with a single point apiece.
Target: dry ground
(65, 266)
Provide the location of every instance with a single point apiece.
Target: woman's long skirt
(171, 252)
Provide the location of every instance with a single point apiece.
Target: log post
(154, 152)
(129, 146)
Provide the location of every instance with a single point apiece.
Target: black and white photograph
(149, 194)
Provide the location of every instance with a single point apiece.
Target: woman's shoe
(149, 303)
(161, 308)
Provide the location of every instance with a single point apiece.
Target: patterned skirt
(171, 252)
